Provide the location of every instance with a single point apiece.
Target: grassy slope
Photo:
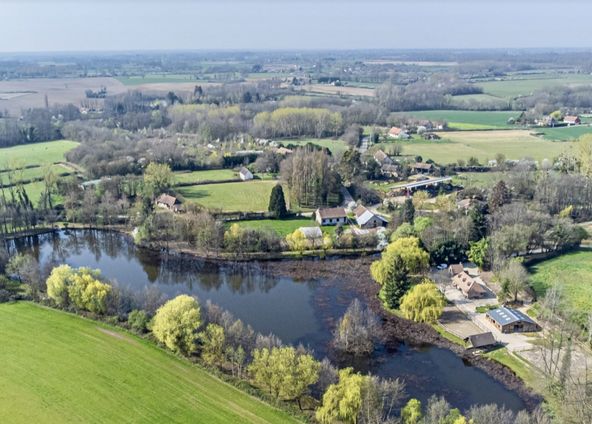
(514, 144)
(573, 272)
(249, 196)
(60, 368)
(35, 154)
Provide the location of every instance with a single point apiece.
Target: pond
(296, 311)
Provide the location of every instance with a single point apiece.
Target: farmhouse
(390, 170)
(382, 158)
(430, 136)
(168, 202)
(398, 133)
(245, 174)
(367, 219)
(572, 120)
(470, 288)
(508, 320)
(331, 216)
(422, 167)
(477, 341)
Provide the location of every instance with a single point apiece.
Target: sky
(113, 25)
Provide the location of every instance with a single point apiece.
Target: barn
(508, 320)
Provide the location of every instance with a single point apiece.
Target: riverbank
(356, 274)
(301, 302)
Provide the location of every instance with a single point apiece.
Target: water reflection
(296, 311)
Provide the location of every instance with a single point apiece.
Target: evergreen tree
(408, 212)
(478, 215)
(277, 202)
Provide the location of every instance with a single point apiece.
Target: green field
(248, 196)
(35, 153)
(156, 79)
(466, 119)
(565, 133)
(208, 175)
(283, 226)
(335, 146)
(60, 368)
(31, 173)
(573, 273)
(484, 145)
(483, 101)
(527, 84)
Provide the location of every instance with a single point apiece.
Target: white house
(331, 216)
(245, 174)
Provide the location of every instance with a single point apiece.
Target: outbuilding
(331, 216)
(245, 174)
(367, 219)
(509, 320)
(480, 340)
(169, 202)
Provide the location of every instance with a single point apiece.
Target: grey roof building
(508, 320)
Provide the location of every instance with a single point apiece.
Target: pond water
(296, 311)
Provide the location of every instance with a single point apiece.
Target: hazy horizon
(34, 26)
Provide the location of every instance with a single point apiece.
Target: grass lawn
(248, 196)
(514, 144)
(516, 364)
(335, 146)
(573, 273)
(283, 226)
(60, 368)
(35, 153)
(565, 133)
(207, 175)
(467, 119)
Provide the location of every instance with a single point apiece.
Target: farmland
(478, 179)
(572, 273)
(565, 133)
(64, 368)
(35, 154)
(16, 95)
(484, 145)
(527, 84)
(466, 119)
(207, 175)
(249, 196)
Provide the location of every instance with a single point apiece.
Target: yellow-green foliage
(411, 413)
(342, 401)
(297, 241)
(423, 303)
(176, 323)
(584, 154)
(405, 252)
(212, 344)
(79, 287)
(57, 284)
(294, 121)
(284, 372)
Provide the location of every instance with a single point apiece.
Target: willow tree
(423, 303)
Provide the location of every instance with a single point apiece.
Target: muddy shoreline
(355, 273)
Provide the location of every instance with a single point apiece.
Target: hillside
(60, 368)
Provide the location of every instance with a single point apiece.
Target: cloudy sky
(83, 25)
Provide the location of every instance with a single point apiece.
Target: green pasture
(526, 85)
(60, 368)
(35, 153)
(335, 146)
(467, 119)
(207, 175)
(565, 133)
(244, 196)
(572, 272)
(283, 227)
